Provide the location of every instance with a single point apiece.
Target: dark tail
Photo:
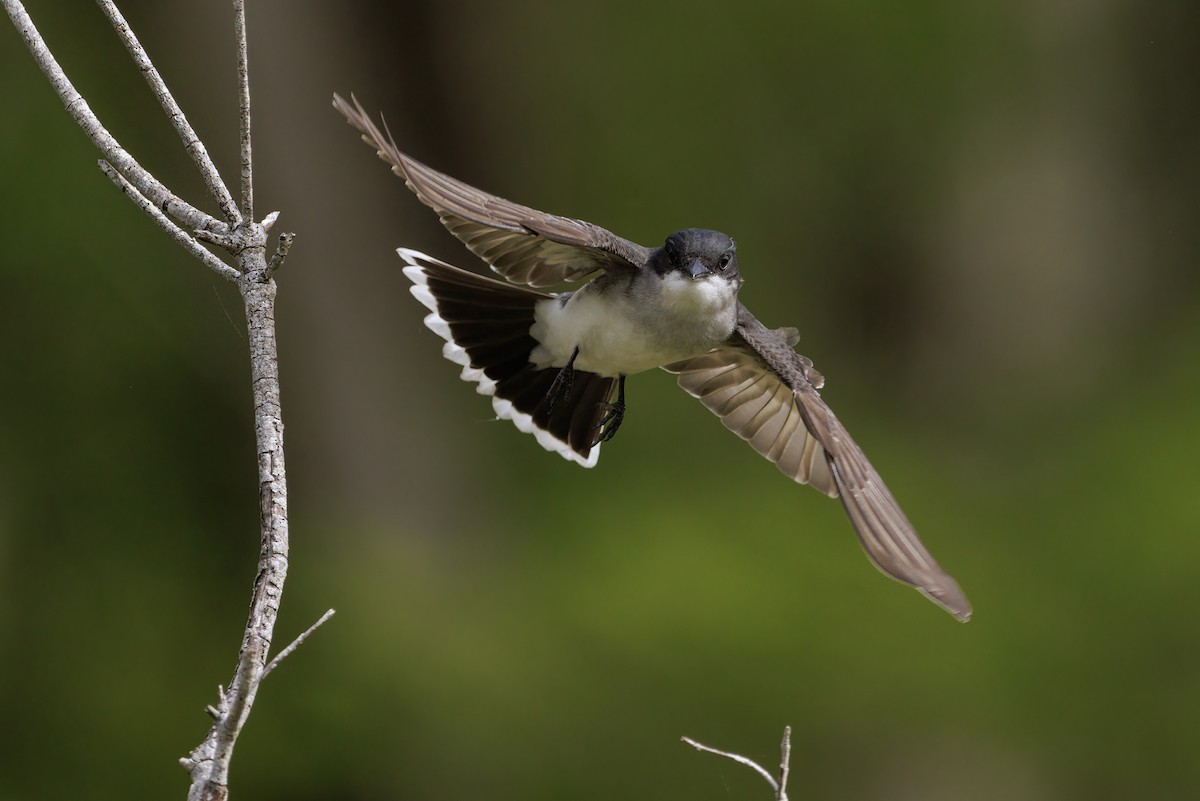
(486, 326)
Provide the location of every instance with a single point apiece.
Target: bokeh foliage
(981, 216)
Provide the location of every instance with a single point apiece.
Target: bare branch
(296, 643)
(209, 762)
(191, 142)
(110, 148)
(258, 292)
(178, 234)
(245, 240)
(779, 787)
(239, 16)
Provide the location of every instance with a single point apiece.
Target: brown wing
(732, 382)
(524, 245)
(768, 395)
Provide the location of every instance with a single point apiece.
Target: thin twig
(785, 761)
(178, 234)
(779, 787)
(239, 23)
(191, 142)
(226, 240)
(190, 216)
(750, 763)
(281, 251)
(296, 643)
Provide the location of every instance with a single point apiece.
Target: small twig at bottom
(296, 643)
(785, 749)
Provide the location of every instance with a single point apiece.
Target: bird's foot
(614, 415)
(561, 387)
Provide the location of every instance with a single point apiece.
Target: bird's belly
(615, 338)
(623, 350)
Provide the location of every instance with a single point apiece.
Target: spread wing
(524, 245)
(766, 393)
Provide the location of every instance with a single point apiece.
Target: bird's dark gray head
(698, 253)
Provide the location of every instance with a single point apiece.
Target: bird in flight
(553, 362)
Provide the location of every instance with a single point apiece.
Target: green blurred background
(982, 218)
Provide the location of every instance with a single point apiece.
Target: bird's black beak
(697, 269)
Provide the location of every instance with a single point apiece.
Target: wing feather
(767, 394)
(524, 245)
(733, 384)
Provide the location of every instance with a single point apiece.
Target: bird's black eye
(724, 261)
(672, 252)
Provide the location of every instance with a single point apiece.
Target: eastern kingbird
(552, 362)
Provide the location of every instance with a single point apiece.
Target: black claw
(614, 415)
(561, 387)
(611, 421)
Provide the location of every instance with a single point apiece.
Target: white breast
(620, 332)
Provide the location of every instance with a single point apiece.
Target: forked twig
(785, 757)
(181, 236)
(110, 148)
(191, 142)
